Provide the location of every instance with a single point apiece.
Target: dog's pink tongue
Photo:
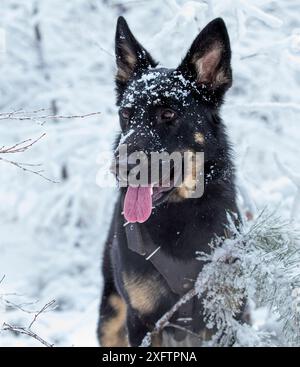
(138, 204)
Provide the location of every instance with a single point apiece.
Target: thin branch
(21, 146)
(47, 305)
(104, 50)
(184, 329)
(26, 144)
(1, 280)
(14, 116)
(23, 168)
(15, 305)
(26, 331)
(164, 320)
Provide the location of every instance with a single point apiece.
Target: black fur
(180, 227)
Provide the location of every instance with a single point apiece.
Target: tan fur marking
(199, 138)
(189, 183)
(188, 186)
(113, 332)
(157, 340)
(144, 293)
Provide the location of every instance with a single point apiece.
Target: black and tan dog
(166, 110)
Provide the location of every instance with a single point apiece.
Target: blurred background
(57, 58)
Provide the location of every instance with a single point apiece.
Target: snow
(52, 235)
(153, 85)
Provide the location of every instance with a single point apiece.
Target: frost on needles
(260, 263)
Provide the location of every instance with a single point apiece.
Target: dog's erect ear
(208, 60)
(130, 55)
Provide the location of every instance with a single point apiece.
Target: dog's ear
(131, 57)
(208, 60)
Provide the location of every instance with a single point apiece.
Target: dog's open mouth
(139, 201)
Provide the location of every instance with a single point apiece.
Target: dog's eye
(125, 113)
(166, 115)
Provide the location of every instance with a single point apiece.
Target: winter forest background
(57, 58)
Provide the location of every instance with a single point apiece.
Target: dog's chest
(180, 275)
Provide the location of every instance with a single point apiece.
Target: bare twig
(25, 169)
(184, 329)
(26, 331)
(47, 305)
(1, 280)
(21, 146)
(26, 144)
(14, 305)
(21, 116)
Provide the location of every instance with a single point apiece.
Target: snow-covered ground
(59, 56)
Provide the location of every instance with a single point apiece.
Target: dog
(149, 264)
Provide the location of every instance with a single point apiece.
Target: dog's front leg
(136, 327)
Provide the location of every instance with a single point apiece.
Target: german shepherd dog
(150, 263)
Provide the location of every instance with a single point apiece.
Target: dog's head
(171, 110)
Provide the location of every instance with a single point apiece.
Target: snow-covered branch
(21, 146)
(24, 145)
(37, 116)
(164, 320)
(27, 330)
